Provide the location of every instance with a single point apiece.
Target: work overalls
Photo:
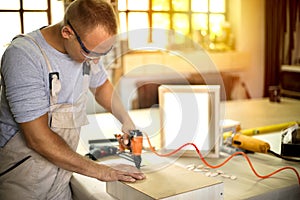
(24, 174)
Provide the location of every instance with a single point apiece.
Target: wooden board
(169, 182)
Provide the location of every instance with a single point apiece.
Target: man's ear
(67, 32)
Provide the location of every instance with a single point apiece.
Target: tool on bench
(261, 130)
(249, 143)
(240, 139)
(134, 144)
(290, 144)
(237, 141)
(99, 151)
(101, 148)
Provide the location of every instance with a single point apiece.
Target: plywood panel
(168, 182)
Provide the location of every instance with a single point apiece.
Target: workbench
(251, 113)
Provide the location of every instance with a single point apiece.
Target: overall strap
(54, 83)
(37, 44)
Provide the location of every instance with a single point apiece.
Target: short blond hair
(85, 15)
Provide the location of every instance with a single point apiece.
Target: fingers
(126, 178)
(129, 170)
(131, 177)
(120, 172)
(138, 176)
(125, 138)
(127, 127)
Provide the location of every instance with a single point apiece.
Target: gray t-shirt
(25, 82)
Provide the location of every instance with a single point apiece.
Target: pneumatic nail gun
(134, 144)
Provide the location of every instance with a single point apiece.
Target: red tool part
(134, 143)
(137, 145)
(122, 145)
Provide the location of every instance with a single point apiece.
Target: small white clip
(287, 134)
(56, 85)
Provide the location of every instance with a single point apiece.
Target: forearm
(47, 143)
(111, 101)
(64, 157)
(44, 141)
(119, 111)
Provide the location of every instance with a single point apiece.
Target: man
(45, 77)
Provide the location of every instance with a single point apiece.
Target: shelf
(185, 62)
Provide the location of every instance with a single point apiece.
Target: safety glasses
(86, 52)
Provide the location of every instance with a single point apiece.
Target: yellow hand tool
(249, 143)
(262, 130)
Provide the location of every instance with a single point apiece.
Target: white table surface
(251, 114)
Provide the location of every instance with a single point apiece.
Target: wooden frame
(190, 113)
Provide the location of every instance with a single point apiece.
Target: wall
(172, 66)
(248, 22)
(247, 19)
